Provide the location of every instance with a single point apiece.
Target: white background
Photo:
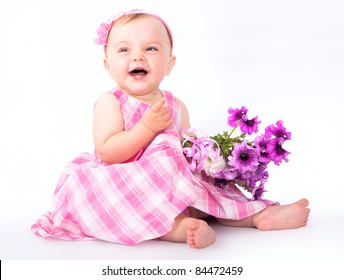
(281, 59)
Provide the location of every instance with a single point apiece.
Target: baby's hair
(131, 17)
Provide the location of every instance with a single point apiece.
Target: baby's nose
(138, 56)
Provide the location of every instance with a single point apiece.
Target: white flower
(213, 166)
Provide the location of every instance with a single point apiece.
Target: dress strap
(117, 93)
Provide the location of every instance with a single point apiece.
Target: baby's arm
(112, 143)
(185, 117)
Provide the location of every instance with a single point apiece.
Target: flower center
(250, 122)
(279, 149)
(244, 156)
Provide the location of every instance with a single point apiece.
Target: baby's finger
(157, 106)
(169, 122)
(165, 114)
(164, 110)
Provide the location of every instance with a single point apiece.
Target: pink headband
(104, 28)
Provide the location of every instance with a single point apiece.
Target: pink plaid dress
(138, 200)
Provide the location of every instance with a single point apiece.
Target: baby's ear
(171, 64)
(106, 65)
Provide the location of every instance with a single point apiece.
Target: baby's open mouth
(138, 72)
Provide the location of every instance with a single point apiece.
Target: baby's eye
(151, 49)
(123, 50)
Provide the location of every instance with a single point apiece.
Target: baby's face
(138, 55)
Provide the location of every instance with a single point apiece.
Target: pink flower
(104, 29)
(102, 32)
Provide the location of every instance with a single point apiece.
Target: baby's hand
(157, 117)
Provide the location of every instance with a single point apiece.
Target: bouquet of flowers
(236, 159)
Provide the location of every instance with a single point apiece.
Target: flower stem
(230, 134)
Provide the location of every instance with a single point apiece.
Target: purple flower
(244, 157)
(276, 151)
(255, 179)
(257, 193)
(249, 126)
(261, 170)
(278, 131)
(245, 175)
(235, 116)
(245, 162)
(260, 177)
(261, 143)
(230, 174)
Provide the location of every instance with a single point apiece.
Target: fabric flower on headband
(104, 29)
(235, 159)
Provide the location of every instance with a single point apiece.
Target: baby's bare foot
(199, 234)
(289, 216)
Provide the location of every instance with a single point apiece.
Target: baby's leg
(199, 234)
(289, 216)
(196, 233)
(197, 214)
(276, 217)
